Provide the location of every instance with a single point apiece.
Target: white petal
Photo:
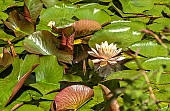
(97, 46)
(92, 53)
(120, 58)
(96, 60)
(112, 62)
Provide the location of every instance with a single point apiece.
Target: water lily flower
(106, 55)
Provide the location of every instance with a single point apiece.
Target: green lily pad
(7, 84)
(54, 14)
(159, 24)
(71, 78)
(49, 70)
(97, 6)
(156, 63)
(125, 74)
(133, 65)
(52, 3)
(162, 1)
(122, 33)
(149, 49)
(136, 6)
(27, 64)
(96, 14)
(48, 75)
(157, 10)
(97, 102)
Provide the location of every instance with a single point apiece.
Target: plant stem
(156, 37)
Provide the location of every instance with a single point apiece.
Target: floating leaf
(156, 63)
(5, 58)
(159, 24)
(157, 10)
(149, 49)
(48, 70)
(125, 74)
(97, 103)
(51, 3)
(96, 14)
(71, 78)
(84, 27)
(133, 65)
(121, 32)
(34, 7)
(44, 42)
(72, 97)
(48, 75)
(19, 24)
(136, 6)
(27, 64)
(54, 14)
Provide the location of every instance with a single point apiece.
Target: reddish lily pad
(34, 7)
(19, 24)
(6, 58)
(45, 43)
(84, 27)
(73, 97)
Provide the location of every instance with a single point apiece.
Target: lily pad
(45, 43)
(34, 7)
(136, 6)
(96, 14)
(157, 10)
(6, 58)
(156, 63)
(85, 27)
(159, 24)
(73, 97)
(123, 33)
(54, 14)
(149, 49)
(19, 24)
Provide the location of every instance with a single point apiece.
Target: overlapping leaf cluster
(38, 61)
